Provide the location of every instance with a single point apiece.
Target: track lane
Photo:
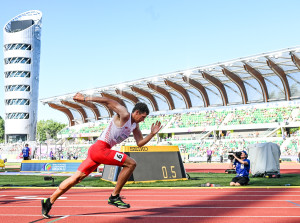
(156, 205)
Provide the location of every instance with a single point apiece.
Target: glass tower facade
(22, 48)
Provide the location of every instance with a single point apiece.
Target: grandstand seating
(96, 128)
(194, 148)
(201, 118)
(235, 116)
(240, 125)
(229, 117)
(260, 116)
(153, 118)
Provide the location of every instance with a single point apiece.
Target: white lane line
(171, 191)
(202, 195)
(59, 218)
(141, 208)
(35, 198)
(183, 195)
(154, 216)
(167, 200)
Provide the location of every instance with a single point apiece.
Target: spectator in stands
(242, 167)
(34, 154)
(221, 156)
(75, 157)
(208, 153)
(119, 129)
(26, 152)
(69, 155)
(51, 155)
(299, 157)
(284, 134)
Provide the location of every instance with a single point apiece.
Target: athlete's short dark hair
(141, 107)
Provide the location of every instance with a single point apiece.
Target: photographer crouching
(241, 164)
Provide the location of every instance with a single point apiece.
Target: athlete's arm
(138, 136)
(111, 104)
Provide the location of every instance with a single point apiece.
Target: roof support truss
(91, 106)
(281, 74)
(127, 95)
(147, 95)
(181, 91)
(295, 60)
(198, 87)
(218, 84)
(119, 100)
(238, 81)
(77, 108)
(164, 93)
(260, 79)
(64, 110)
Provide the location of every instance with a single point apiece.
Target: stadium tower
(22, 47)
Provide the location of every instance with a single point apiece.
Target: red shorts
(101, 153)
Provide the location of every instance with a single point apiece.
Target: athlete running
(117, 131)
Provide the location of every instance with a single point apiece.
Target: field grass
(196, 180)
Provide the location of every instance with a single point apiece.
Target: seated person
(242, 167)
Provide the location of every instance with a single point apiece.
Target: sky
(94, 43)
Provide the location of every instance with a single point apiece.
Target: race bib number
(118, 156)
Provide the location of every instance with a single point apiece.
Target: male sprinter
(117, 131)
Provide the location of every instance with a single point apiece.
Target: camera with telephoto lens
(237, 154)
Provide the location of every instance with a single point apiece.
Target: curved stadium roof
(262, 78)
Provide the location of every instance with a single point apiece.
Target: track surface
(285, 167)
(212, 205)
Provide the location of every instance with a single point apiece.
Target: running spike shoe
(118, 202)
(46, 207)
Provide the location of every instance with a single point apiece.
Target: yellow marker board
(153, 163)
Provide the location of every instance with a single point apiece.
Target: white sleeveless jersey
(114, 135)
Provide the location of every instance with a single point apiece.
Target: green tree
(48, 129)
(2, 132)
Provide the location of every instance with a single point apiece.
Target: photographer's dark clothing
(241, 169)
(241, 180)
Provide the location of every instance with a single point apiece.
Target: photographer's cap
(244, 151)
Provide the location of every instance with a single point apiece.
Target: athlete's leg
(128, 168)
(67, 184)
(63, 187)
(85, 168)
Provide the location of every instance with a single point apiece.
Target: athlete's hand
(156, 127)
(78, 97)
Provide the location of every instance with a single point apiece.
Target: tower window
(17, 74)
(17, 46)
(17, 115)
(12, 60)
(17, 88)
(17, 101)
